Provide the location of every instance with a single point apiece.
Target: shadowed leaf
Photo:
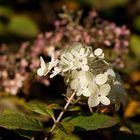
(14, 120)
(93, 122)
(40, 108)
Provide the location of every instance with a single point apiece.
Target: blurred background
(22, 21)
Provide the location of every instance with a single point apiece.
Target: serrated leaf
(15, 120)
(40, 108)
(23, 26)
(92, 122)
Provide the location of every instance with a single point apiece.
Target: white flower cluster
(87, 73)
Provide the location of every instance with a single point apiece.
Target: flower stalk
(62, 112)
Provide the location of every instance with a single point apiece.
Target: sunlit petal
(104, 100)
(98, 52)
(42, 63)
(40, 72)
(85, 67)
(101, 79)
(105, 89)
(110, 72)
(86, 92)
(93, 100)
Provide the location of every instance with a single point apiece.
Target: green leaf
(60, 135)
(54, 106)
(23, 26)
(92, 122)
(5, 11)
(15, 120)
(40, 108)
(74, 108)
(27, 134)
(66, 127)
(11, 103)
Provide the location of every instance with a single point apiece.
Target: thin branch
(62, 112)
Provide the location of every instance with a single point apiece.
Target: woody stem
(62, 112)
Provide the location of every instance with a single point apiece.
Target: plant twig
(62, 112)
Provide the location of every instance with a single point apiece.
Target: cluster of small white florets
(87, 73)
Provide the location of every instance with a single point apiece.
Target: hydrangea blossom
(100, 96)
(82, 83)
(45, 68)
(87, 73)
(99, 53)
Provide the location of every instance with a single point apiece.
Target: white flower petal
(101, 79)
(75, 53)
(40, 72)
(89, 76)
(63, 59)
(110, 72)
(86, 92)
(82, 74)
(74, 84)
(79, 93)
(55, 62)
(77, 46)
(102, 56)
(82, 51)
(104, 100)
(55, 72)
(77, 63)
(85, 67)
(52, 61)
(84, 61)
(91, 55)
(88, 50)
(53, 75)
(75, 73)
(93, 88)
(83, 83)
(93, 100)
(105, 89)
(69, 56)
(43, 68)
(98, 52)
(42, 63)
